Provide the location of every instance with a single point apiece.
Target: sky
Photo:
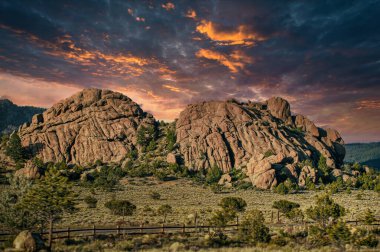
(322, 56)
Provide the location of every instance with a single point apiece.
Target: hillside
(365, 153)
(12, 116)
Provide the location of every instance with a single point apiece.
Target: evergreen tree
(49, 198)
(14, 148)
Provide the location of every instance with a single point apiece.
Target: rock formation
(262, 138)
(91, 125)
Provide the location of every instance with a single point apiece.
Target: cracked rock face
(262, 137)
(91, 125)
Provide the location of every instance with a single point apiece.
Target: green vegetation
(233, 204)
(325, 210)
(213, 175)
(164, 210)
(170, 139)
(253, 229)
(364, 153)
(286, 187)
(146, 137)
(155, 195)
(90, 201)
(15, 150)
(120, 207)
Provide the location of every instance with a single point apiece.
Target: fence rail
(157, 229)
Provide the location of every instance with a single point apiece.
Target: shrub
(164, 210)
(368, 217)
(268, 153)
(285, 206)
(322, 166)
(325, 209)
(155, 195)
(281, 189)
(170, 139)
(220, 218)
(145, 135)
(339, 233)
(253, 229)
(233, 203)
(362, 237)
(213, 175)
(120, 207)
(90, 201)
(107, 178)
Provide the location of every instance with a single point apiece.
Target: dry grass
(187, 198)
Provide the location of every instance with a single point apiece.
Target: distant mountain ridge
(365, 153)
(12, 115)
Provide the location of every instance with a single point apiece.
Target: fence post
(68, 233)
(271, 217)
(163, 228)
(278, 216)
(184, 228)
(94, 231)
(118, 230)
(141, 227)
(237, 221)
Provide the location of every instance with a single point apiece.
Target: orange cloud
(191, 14)
(235, 61)
(168, 6)
(240, 36)
(368, 104)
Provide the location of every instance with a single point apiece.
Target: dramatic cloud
(240, 36)
(234, 62)
(322, 56)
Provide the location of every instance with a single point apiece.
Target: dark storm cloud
(324, 56)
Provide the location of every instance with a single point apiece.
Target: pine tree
(49, 198)
(14, 148)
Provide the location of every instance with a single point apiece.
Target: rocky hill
(262, 138)
(12, 116)
(89, 126)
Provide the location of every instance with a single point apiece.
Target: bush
(107, 178)
(322, 167)
(164, 210)
(213, 175)
(170, 139)
(325, 209)
(368, 217)
(268, 153)
(155, 195)
(253, 229)
(285, 206)
(286, 187)
(339, 233)
(90, 201)
(362, 237)
(120, 207)
(146, 135)
(220, 218)
(233, 203)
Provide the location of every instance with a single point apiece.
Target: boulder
(307, 172)
(30, 171)
(226, 178)
(91, 125)
(336, 173)
(27, 241)
(176, 246)
(172, 158)
(279, 108)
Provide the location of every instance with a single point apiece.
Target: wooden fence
(70, 232)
